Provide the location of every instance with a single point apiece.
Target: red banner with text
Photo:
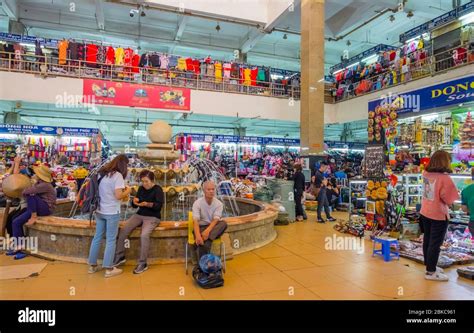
(136, 95)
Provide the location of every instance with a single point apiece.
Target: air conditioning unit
(11, 118)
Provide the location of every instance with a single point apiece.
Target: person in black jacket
(299, 185)
(149, 200)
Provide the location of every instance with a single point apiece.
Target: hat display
(43, 173)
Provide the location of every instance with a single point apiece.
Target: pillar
(312, 74)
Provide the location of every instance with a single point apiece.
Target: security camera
(133, 12)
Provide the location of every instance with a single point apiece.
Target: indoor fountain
(250, 223)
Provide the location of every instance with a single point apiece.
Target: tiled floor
(296, 266)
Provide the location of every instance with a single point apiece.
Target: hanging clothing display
(247, 77)
(197, 66)
(203, 68)
(210, 71)
(144, 60)
(135, 63)
(18, 51)
(189, 65)
(227, 68)
(182, 64)
(62, 47)
(164, 61)
(101, 54)
(253, 76)
(91, 54)
(119, 56)
(173, 61)
(218, 72)
(110, 56)
(127, 58)
(235, 70)
(154, 60)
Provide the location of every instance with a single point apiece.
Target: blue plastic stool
(385, 251)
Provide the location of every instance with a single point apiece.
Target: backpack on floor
(208, 273)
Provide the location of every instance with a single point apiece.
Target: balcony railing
(51, 66)
(432, 65)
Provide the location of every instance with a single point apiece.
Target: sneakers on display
(436, 276)
(93, 269)
(321, 220)
(119, 262)
(140, 268)
(113, 272)
(331, 219)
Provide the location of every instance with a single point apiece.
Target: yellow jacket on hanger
(247, 77)
(182, 64)
(218, 72)
(119, 56)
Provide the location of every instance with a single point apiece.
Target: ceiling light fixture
(218, 27)
(285, 36)
(410, 14)
(391, 18)
(348, 43)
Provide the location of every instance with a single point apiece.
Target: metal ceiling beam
(182, 21)
(99, 14)
(10, 7)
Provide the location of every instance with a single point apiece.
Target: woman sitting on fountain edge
(149, 199)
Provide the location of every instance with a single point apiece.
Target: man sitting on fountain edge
(207, 214)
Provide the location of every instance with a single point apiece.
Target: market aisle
(296, 266)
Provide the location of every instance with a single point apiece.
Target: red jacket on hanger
(110, 56)
(91, 53)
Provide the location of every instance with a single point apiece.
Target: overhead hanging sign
(444, 94)
(47, 130)
(136, 95)
(360, 56)
(15, 38)
(466, 9)
(438, 22)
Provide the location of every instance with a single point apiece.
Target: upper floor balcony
(353, 82)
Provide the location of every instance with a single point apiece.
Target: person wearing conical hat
(41, 201)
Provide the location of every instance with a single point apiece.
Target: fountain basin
(69, 240)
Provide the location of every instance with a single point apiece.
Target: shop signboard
(47, 130)
(444, 94)
(466, 9)
(281, 141)
(417, 31)
(282, 72)
(443, 19)
(251, 140)
(136, 95)
(16, 38)
(226, 139)
(438, 21)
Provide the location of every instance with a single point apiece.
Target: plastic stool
(385, 251)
